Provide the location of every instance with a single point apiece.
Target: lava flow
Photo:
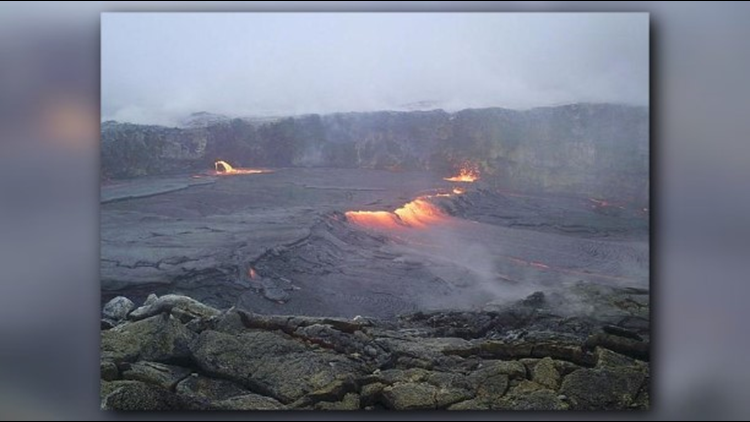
(225, 169)
(418, 213)
(374, 219)
(467, 174)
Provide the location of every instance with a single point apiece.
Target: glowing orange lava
(418, 213)
(458, 191)
(467, 173)
(252, 274)
(374, 219)
(225, 169)
(223, 166)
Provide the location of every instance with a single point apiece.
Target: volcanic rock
(535, 300)
(606, 358)
(248, 402)
(235, 360)
(165, 376)
(473, 404)
(108, 370)
(150, 299)
(117, 309)
(545, 374)
(528, 395)
(350, 401)
(371, 393)
(275, 294)
(144, 397)
(269, 363)
(602, 389)
(160, 338)
(185, 308)
(209, 388)
(410, 396)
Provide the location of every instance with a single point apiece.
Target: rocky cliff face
(591, 149)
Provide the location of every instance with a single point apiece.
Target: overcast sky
(160, 67)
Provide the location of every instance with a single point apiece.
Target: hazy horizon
(178, 120)
(158, 68)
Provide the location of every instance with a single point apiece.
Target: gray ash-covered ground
(207, 237)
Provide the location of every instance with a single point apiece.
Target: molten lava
(418, 213)
(225, 169)
(458, 191)
(374, 219)
(252, 274)
(467, 173)
(223, 166)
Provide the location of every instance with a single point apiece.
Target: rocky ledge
(175, 353)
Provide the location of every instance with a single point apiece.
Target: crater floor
(280, 243)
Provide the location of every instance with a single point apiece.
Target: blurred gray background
(266, 64)
(49, 175)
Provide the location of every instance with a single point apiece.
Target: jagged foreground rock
(174, 353)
